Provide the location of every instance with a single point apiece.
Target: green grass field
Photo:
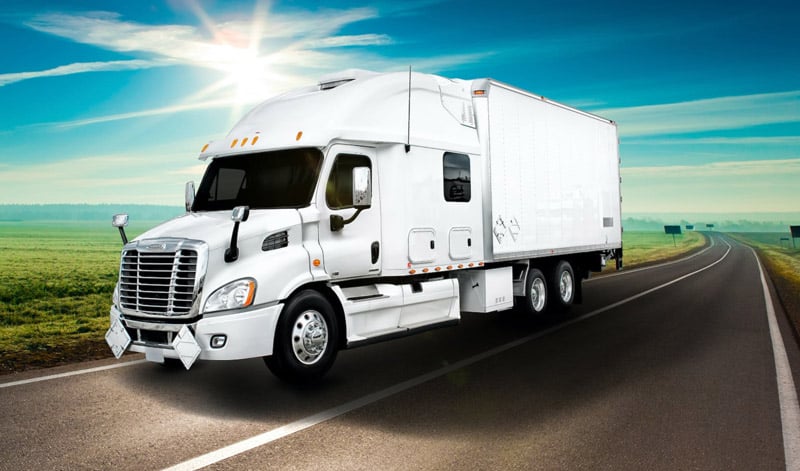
(646, 247)
(56, 282)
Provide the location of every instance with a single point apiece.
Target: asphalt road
(644, 375)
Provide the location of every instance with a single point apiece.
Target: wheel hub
(566, 286)
(537, 295)
(309, 337)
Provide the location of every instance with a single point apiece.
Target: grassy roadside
(642, 248)
(782, 263)
(56, 282)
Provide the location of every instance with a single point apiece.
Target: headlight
(234, 295)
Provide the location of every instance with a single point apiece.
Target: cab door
(355, 249)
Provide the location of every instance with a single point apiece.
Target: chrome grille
(158, 283)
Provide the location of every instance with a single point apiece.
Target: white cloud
(121, 178)
(736, 141)
(732, 112)
(747, 186)
(748, 168)
(355, 40)
(80, 67)
(208, 104)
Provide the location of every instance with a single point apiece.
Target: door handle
(376, 252)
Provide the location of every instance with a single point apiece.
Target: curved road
(670, 367)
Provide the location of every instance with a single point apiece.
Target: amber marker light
(480, 264)
(449, 267)
(460, 265)
(316, 262)
(425, 270)
(251, 293)
(471, 265)
(438, 268)
(205, 147)
(412, 271)
(244, 141)
(479, 92)
(299, 135)
(253, 142)
(233, 144)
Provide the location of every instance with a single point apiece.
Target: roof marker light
(244, 141)
(233, 144)
(479, 92)
(299, 135)
(205, 147)
(253, 142)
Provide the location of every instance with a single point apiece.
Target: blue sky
(110, 101)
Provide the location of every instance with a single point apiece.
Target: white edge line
(310, 421)
(136, 362)
(70, 373)
(787, 394)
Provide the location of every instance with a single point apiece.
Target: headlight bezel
(237, 294)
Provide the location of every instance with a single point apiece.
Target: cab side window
(456, 177)
(339, 189)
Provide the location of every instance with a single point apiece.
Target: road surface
(671, 367)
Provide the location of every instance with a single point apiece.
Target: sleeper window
(456, 177)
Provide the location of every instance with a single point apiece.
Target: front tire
(305, 339)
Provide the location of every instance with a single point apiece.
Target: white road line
(307, 422)
(787, 394)
(70, 373)
(660, 265)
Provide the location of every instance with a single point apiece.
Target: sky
(111, 101)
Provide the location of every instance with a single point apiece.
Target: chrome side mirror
(362, 188)
(120, 221)
(239, 215)
(189, 196)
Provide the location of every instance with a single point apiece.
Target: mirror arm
(338, 222)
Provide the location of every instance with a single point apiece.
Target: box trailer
(367, 207)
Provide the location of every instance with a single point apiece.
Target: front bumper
(249, 334)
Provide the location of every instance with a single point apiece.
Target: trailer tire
(305, 344)
(563, 285)
(536, 293)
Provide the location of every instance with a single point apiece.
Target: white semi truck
(367, 207)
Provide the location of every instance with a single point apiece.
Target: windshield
(277, 179)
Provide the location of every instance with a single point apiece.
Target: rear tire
(535, 301)
(305, 339)
(563, 285)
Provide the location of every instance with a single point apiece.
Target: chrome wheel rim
(538, 294)
(566, 286)
(309, 337)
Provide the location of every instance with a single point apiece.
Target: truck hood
(215, 228)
